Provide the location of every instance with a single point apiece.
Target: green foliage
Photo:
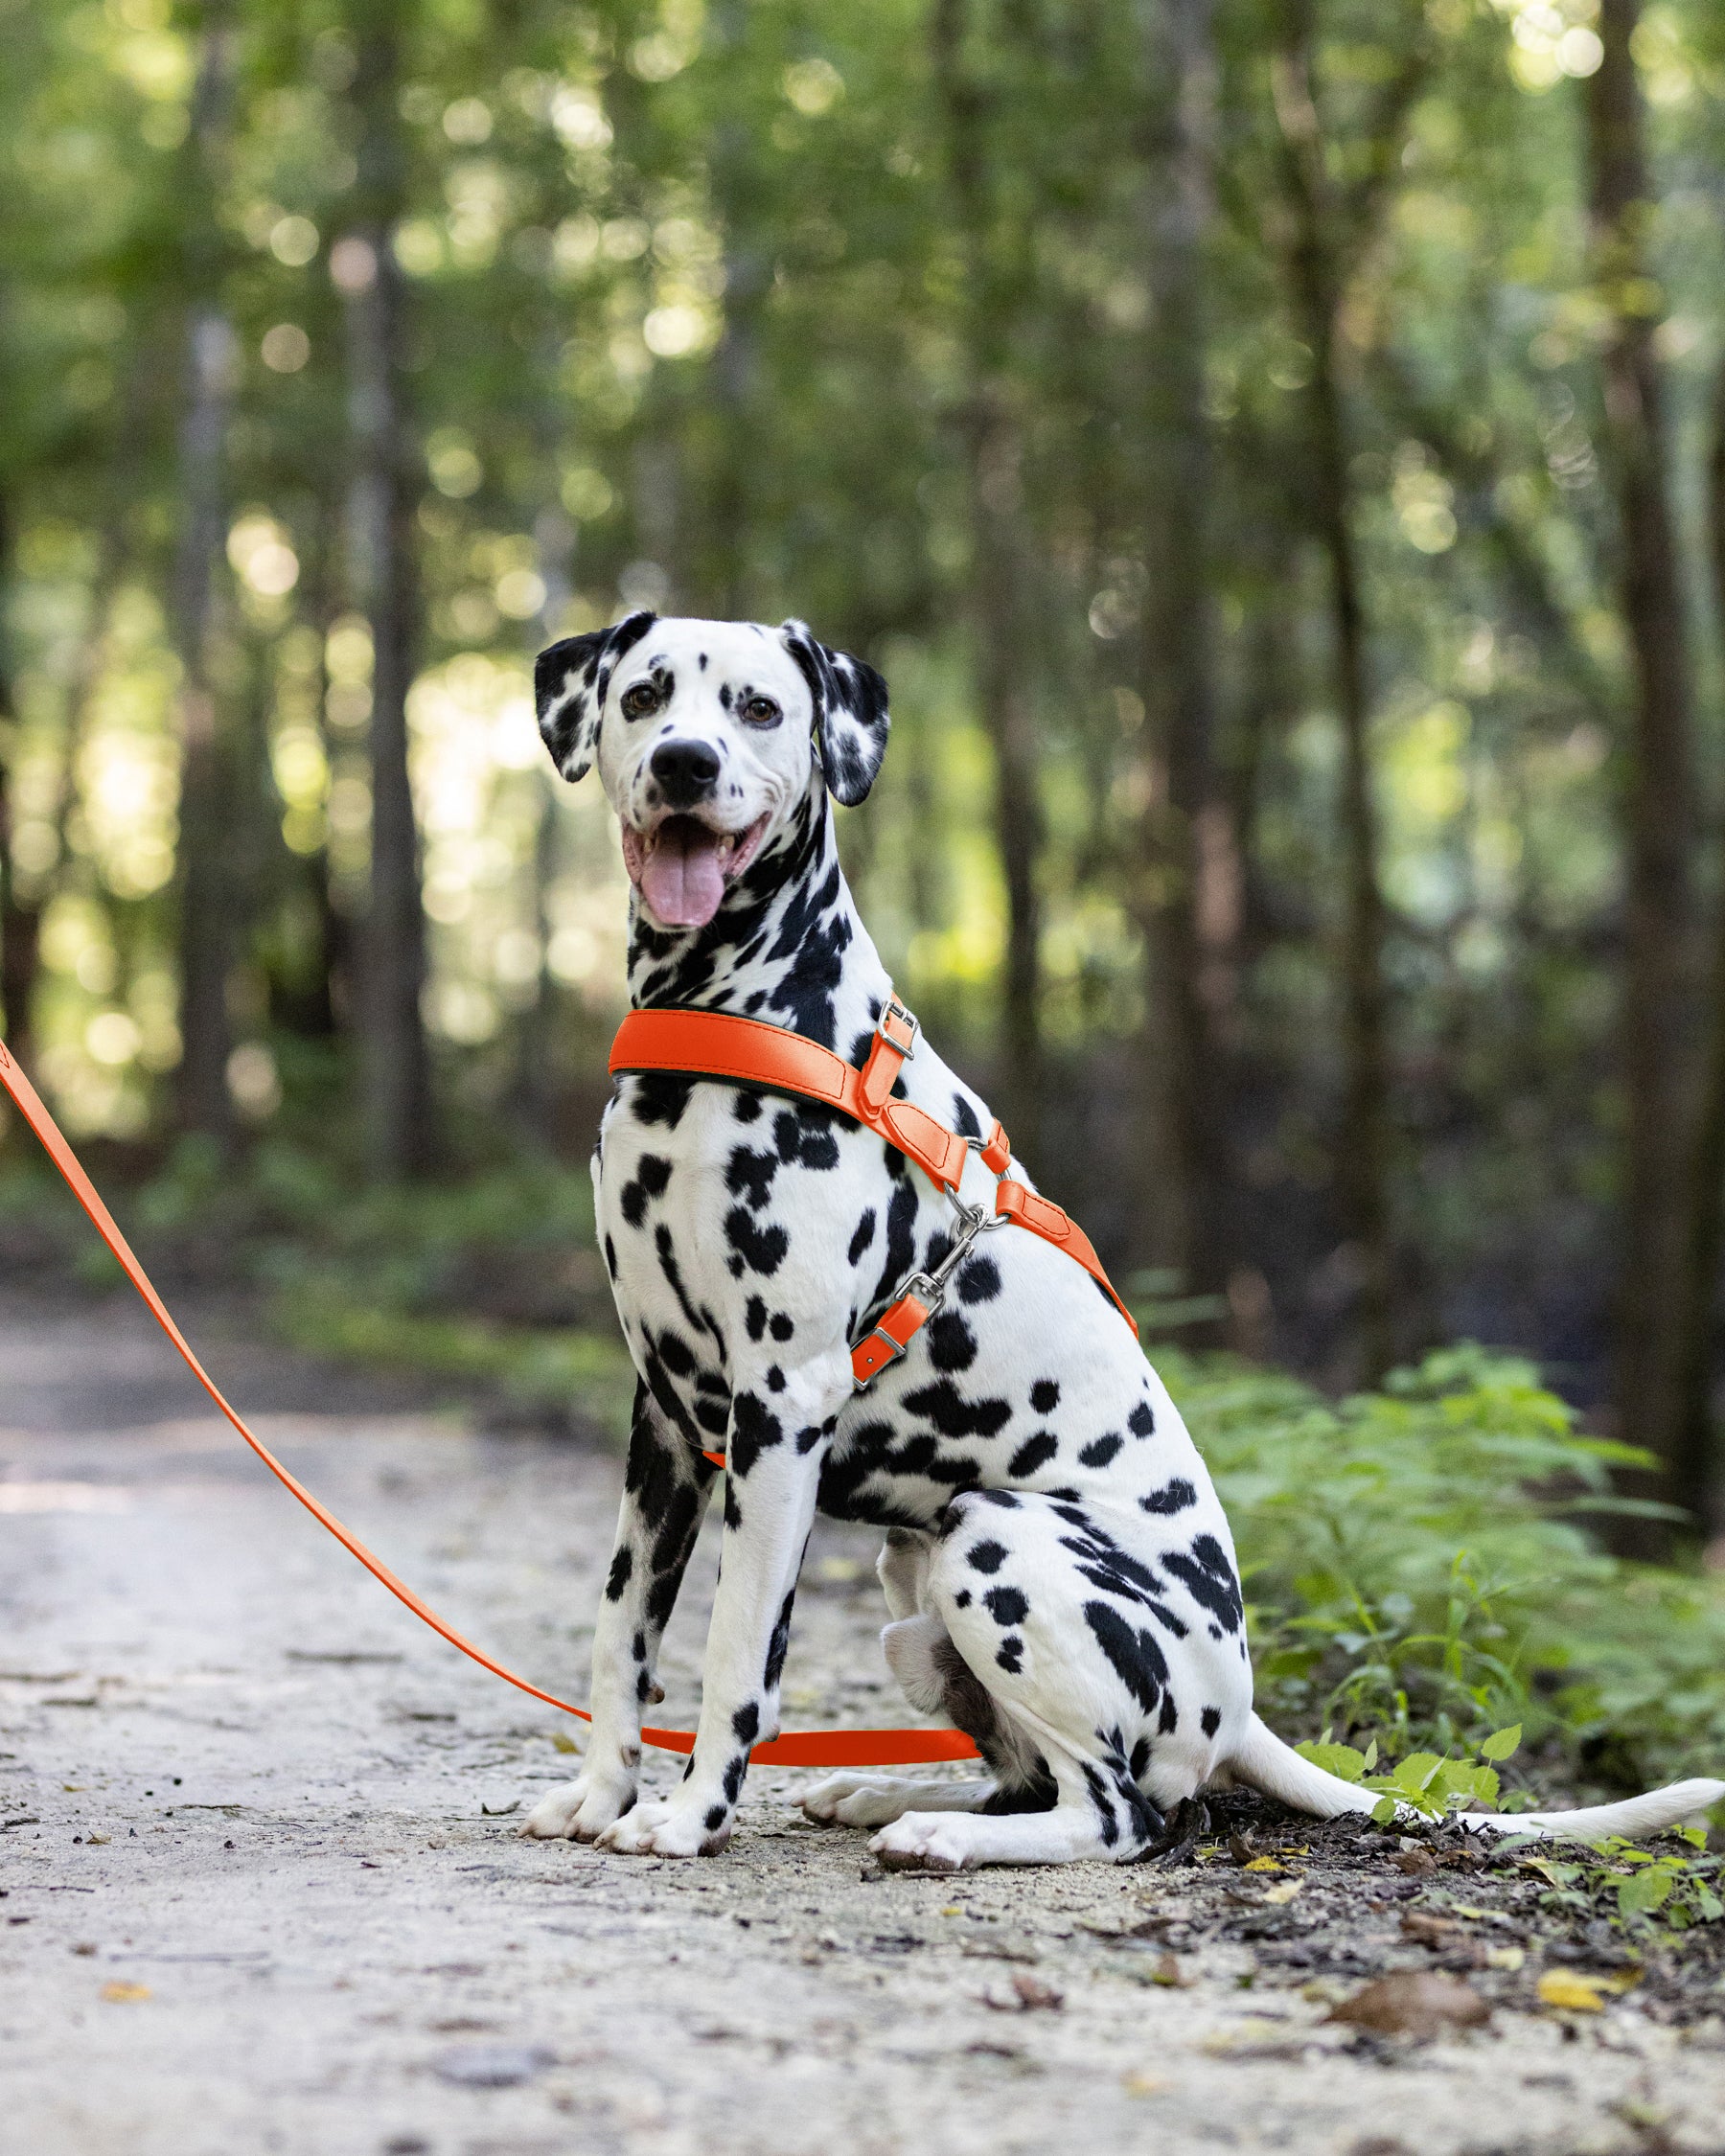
(1636, 1890)
(1418, 1564)
(1424, 1781)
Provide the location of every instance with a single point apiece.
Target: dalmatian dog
(1058, 1571)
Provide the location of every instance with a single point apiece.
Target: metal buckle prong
(898, 1027)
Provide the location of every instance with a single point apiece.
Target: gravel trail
(260, 1890)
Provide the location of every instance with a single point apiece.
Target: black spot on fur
(978, 1280)
(986, 1556)
(1174, 1496)
(781, 1328)
(621, 1566)
(753, 1429)
(755, 1316)
(1141, 1421)
(1210, 1580)
(1045, 1396)
(863, 1236)
(779, 1645)
(736, 1767)
(1010, 1654)
(716, 1817)
(748, 1174)
(1034, 1452)
(775, 1378)
(962, 1600)
(660, 1096)
(944, 1406)
(1211, 1720)
(964, 1118)
(746, 1723)
(761, 1248)
(1008, 1605)
(1101, 1450)
(746, 1108)
(652, 1175)
(952, 1344)
(1135, 1657)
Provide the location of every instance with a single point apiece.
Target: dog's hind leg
(1067, 1718)
(914, 1653)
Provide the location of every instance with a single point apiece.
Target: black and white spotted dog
(1059, 1574)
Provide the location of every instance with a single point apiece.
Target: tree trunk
(395, 1067)
(1363, 1160)
(1185, 836)
(208, 897)
(19, 924)
(1695, 1455)
(1000, 587)
(723, 568)
(1658, 795)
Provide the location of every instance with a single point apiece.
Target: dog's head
(709, 736)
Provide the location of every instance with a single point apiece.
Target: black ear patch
(569, 681)
(851, 718)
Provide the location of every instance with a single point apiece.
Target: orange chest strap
(746, 1051)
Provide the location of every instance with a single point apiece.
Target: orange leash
(806, 1748)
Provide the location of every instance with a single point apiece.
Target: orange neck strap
(804, 1748)
(745, 1051)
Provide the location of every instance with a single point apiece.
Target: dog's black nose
(685, 771)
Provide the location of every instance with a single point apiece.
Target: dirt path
(253, 1900)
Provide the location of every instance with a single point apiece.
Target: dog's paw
(929, 1841)
(579, 1810)
(855, 1800)
(662, 1828)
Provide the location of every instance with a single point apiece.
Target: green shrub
(1419, 1566)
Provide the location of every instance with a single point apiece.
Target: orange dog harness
(745, 1051)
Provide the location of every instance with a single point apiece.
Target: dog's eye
(639, 699)
(760, 711)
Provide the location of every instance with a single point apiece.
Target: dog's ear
(851, 718)
(569, 681)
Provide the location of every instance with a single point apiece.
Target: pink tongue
(681, 880)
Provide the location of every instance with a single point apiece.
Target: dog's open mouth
(682, 867)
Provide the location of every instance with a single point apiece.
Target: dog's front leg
(775, 1452)
(665, 1491)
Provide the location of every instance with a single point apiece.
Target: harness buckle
(898, 1026)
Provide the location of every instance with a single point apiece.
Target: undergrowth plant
(1419, 1565)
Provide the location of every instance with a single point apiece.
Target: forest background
(1275, 449)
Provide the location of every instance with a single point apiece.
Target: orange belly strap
(745, 1051)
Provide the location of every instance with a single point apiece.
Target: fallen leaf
(1417, 1863)
(1415, 2003)
(1145, 2084)
(125, 1994)
(953, 1909)
(101, 1840)
(498, 1811)
(1285, 1892)
(1575, 1991)
(1263, 1863)
(1431, 1931)
(560, 1741)
(1508, 1957)
(1241, 1848)
(1167, 1971)
(1035, 1995)
(1257, 2037)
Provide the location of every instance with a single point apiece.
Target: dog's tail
(1265, 1763)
